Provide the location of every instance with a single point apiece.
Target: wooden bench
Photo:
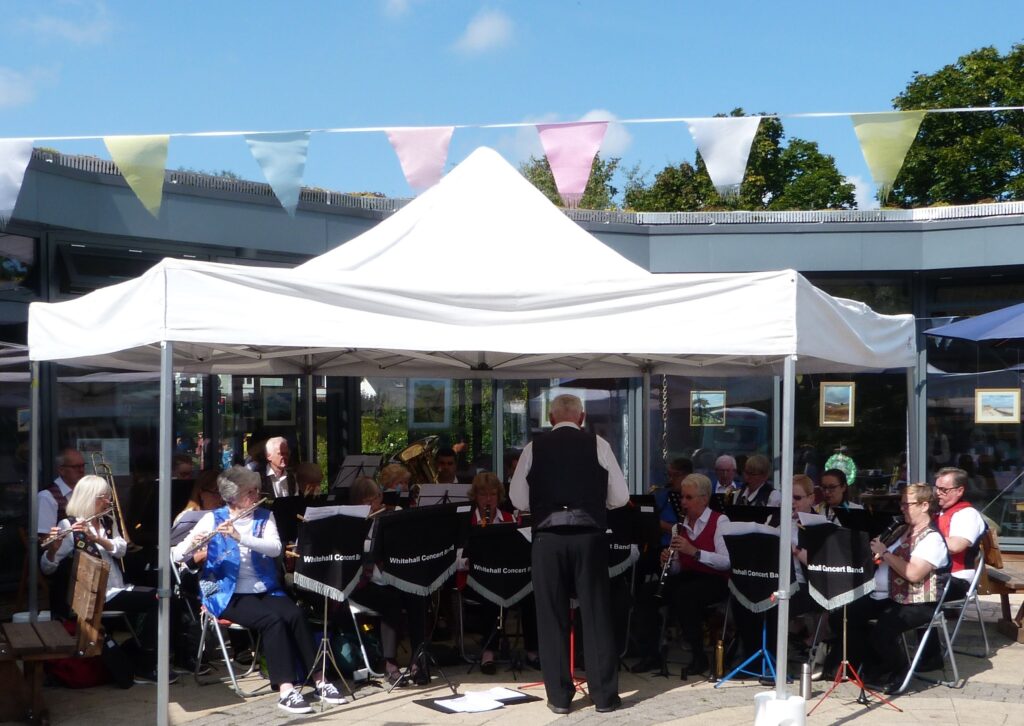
(21, 697)
(1004, 584)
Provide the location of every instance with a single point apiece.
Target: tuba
(418, 457)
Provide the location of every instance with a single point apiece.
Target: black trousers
(885, 638)
(286, 637)
(688, 595)
(390, 602)
(140, 601)
(567, 562)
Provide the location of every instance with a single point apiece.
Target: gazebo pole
(163, 661)
(35, 459)
(644, 470)
(786, 523)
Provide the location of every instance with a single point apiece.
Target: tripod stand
(846, 673)
(767, 661)
(325, 654)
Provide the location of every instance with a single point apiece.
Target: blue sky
(83, 67)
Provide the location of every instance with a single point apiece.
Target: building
(78, 227)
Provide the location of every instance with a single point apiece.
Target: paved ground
(992, 695)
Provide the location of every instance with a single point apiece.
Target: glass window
(18, 270)
(14, 473)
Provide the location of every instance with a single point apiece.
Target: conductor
(568, 479)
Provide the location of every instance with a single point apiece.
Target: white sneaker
(328, 693)
(293, 702)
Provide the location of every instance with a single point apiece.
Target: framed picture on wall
(278, 406)
(430, 403)
(707, 408)
(837, 403)
(997, 405)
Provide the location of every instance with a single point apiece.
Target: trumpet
(667, 566)
(205, 539)
(65, 532)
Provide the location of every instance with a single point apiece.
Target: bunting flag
(422, 153)
(141, 161)
(14, 157)
(282, 157)
(724, 144)
(885, 139)
(570, 149)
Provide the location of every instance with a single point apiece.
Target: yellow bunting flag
(141, 161)
(885, 139)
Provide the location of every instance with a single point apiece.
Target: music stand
(442, 494)
(753, 513)
(839, 572)
(415, 551)
(330, 553)
(354, 466)
(754, 554)
(499, 570)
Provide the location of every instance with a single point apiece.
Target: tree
(965, 158)
(794, 176)
(599, 194)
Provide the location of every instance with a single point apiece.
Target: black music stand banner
(840, 568)
(415, 548)
(754, 557)
(499, 564)
(623, 525)
(331, 555)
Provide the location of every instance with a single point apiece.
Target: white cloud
(617, 139)
(864, 192)
(488, 30)
(524, 142)
(90, 24)
(19, 88)
(396, 8)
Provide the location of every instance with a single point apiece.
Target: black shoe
(244, 658)
(560, 710)
(293, 702)
(612, 705)
(488, 668)
(328, 693)
(148, 678)
(646, 664)
(420, 676)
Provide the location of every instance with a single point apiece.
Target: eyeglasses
(103, 496)
(831, 488)
(725, 469)
(798, 497)
(905, 505)
(945, 490)
(72, 466)
(747, 472)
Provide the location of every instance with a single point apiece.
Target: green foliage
(794, 176)
(599, 194)
(222, 174)
(965, 158)
(385, 431)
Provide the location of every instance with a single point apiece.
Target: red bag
(77, 672)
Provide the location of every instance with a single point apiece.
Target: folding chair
(209, 623)
(937, 622)
(357, 610)
(961, 605)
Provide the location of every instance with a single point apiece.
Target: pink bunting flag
(422, 152)
(571, 149)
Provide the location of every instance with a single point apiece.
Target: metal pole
(310, 415)
(35, 459)
(786, 525)
(644, 432)
(163, 660)
(917, 412)
(776, 426)
(498, 427)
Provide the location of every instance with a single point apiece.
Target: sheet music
(470, 703)
(811, 519)
(362, 511)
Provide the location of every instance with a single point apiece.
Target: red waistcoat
(705, 541)
(944, 521)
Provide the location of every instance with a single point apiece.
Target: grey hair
(725, 459)
(960, 477)
(274, 443)
(236, 481)
(699, 482)
(62, 457)
(566, 407)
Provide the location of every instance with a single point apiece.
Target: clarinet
(667, 566)
(485, 516)
(891, 533)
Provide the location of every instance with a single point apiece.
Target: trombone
(101, 468)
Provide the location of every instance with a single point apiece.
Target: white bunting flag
(282, 157)
(724, 144)
(14, 157)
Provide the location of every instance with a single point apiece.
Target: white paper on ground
(470, 703)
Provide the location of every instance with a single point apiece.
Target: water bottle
(805, 682)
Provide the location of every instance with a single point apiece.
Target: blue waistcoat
(223, 559)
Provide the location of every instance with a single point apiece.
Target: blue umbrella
(997, 327)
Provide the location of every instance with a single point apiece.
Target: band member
(309, 478)
(53, 502)
(446, 464)
(835, 494)
(667, 501)
(698, 573)
(567, 479)
(241, 583)
(373, 593)
(487, 492)
(917, 565)
(756, 490)
(204, 497)
(278, 480)
(93, 535)
(961, 525)
(397, 478)
(725, 476)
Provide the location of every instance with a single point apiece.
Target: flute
(668, 564)
(205, 539)
(65, 532)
